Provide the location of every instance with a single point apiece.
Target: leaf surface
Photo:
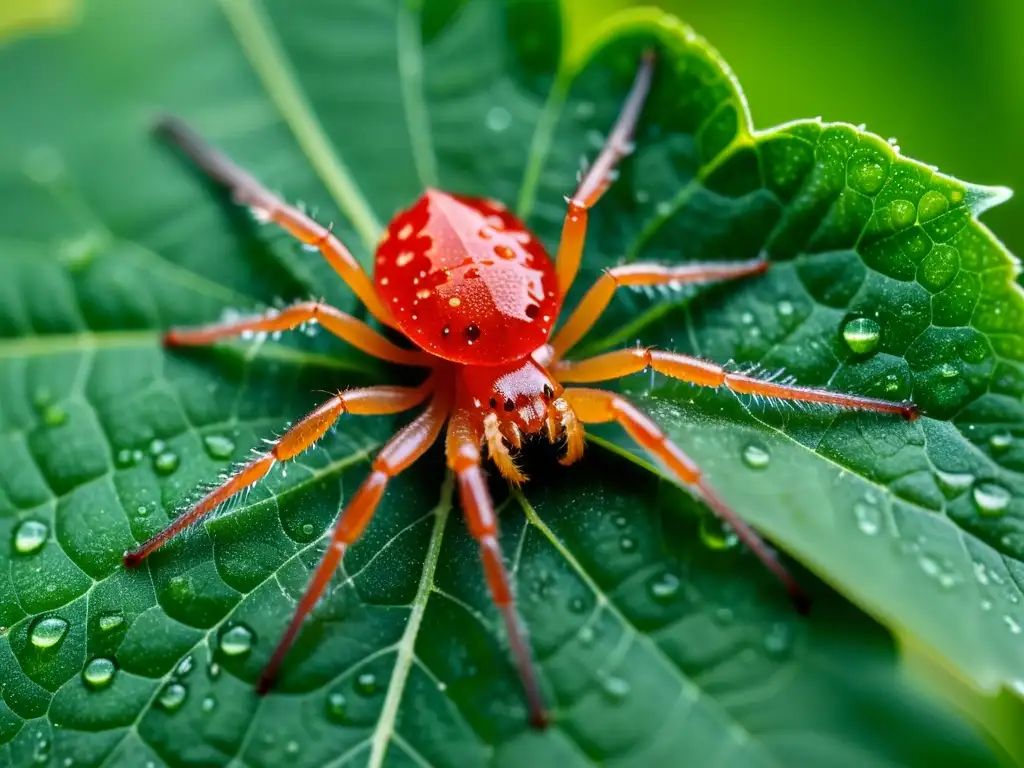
(656, 637)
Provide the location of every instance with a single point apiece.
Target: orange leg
(463, 449)
(370, 401)
(411, 442)
(344, 326)
(267, 206)
(600, 176)
(613, 365)
(600, 294)
(593, 406)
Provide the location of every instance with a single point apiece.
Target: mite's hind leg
(463, 450)
(594, 406)
(402, 450)
(622, 362)
(344, 326)
(599, 177)
(302, 435)
(249, 192)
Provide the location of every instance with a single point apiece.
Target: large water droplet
(166, 462)
(99, 673)
(498, 119)
(237, 640)
(30, 537)
(990, 499)
(219, 446)
(616, 688)
(1000, 441)
(110, 621)
(861, 335)
(47, 631)
(54, 415)
(866, 176)
(664, 587)
(756, 456)
(717, 535)
(337, 707)
(172, 697)
(366, 684)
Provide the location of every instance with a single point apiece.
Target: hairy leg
(613, 365)
(593, 406)
(463, 449)
(303, 434)
(344, 326)
(599, 177)
(600, 294)
(249, 192)
(411, 442)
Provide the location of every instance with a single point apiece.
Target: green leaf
(656, 637)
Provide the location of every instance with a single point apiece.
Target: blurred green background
(943, 77)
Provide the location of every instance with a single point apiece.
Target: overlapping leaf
(656, 637)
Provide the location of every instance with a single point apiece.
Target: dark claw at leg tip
(540, 721)
(801, 602)
(264, 685)
(131, 559)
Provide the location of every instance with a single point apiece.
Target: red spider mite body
(478, 296)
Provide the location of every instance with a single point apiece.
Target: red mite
(479, 296)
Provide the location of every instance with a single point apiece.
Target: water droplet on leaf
(664, 587)
(166, 462)
(110, 621)
(627, 544)
(47, 631)
(236, 640)
(30, 537)
(498, 119)
(717, 535)
(990, 499)
(99, 673)
(366, 684)
(862, 335)
(755, 456)
(337, 707)
(868, 516)
(218, 446)
(616, 688)
(172, 697)
(903, 213)
(1000, 441)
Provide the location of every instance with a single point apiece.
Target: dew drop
(862, 335)
(172, 697)
(779, 639)
(1012, 624)
(724, 616)
(664, 587)
(577, 605)
(664, 209)
(219, 446)
(99, 673)
(236, 640)
(30, 536)
(208, 704)
(585, 110)
(755, 456)
(585, 635)
(166, 462)
(990, 499)
(785, 308)
(110, 621)
(125, 458)
(184, 666)
(627, 544)
(47, 631)
(620, 521)
(337, 707)
(498, 119)
(616, 688)
(366, 684)
(1000, 441)
(717, 535)
(157, 446)
(213, 671)
(868, 516)
(292, 747)
(54, 415)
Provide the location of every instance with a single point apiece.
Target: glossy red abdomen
(466, 281)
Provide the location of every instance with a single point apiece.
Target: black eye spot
(472, 332)
(531, 311)
(493, 403)
(548, 391)
(509, 405)
(445, 331)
